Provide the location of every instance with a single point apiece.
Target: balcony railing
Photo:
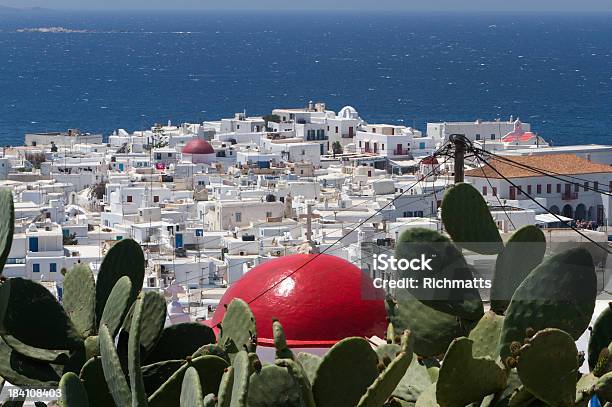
(568, 196)
(400, 152)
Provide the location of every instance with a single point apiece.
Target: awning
(549, 218)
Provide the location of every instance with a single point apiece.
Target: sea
(101, 71)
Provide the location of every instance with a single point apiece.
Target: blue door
(178, 240)
(120, 166)
(33, 244)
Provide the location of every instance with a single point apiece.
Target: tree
(271, 118)
(70, 239)
(337, 148)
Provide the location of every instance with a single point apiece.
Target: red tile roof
(563, 164)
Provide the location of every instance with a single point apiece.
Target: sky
(403, 5)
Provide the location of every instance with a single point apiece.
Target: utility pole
(459, 143)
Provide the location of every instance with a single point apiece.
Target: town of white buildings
(209, 201)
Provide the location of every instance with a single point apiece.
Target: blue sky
(407, 5)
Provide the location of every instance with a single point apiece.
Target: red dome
(198, 146)
(326, 300)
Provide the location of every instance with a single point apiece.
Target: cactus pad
(7, 225)
(25, 300)
(548, 367)
(225, 388)
(237, 327)
(79, 299)
(468, 221)
(117, 305)
(113, 373)
(280, 342)
(523, 252)
(310, 363)
(73, 392)
(464, 379)
(601, 335)
(274, 386)
(559, 293)
(191, 390)
(25, 372)
(387, 381)
(125, 258)
(181, 340)
(92, 376)
(485, 335)
(351, 359)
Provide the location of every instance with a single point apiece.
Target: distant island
(8, 9)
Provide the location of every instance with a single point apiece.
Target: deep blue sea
(130, 70)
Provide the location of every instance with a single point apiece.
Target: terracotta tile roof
(564, 164)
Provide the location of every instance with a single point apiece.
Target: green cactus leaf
(25, 300)
(548, 367)
(603, 387)
(524, 251)
(428, 397)
(280, 342)
(585, 387)
(415, 382)
(191, 390)
(139, 397)
(113, 372)
(387, 351)
(242, 372)
(79, 299)
(180, 341)
(117, 305)
(559, 293)
(7, 225)
(468, 221)
(446, 262)
(211, 349)
(225, 388)
(73, 392)
(432, 330)
(156, 374)
(310, 363)
(298, 373)
(57, 357)
(238, 326)
(125, 258)
(153, 324)
(210, 368)
(352, 359)
(601, 335)
(210, 400)
(387, 381)
(274, 386)
(464, 379)
(92, 376)
(485, 335)
(26, 372)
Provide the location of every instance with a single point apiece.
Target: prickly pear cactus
(464, 379)
(523, 252)
(274, 386)
(73, 392)
(468, 221)
(7, 225)
(280, 342)
(351, 359)
(559, 293)
(125, 258)
(548, 367)
(180, 341)
(79, 299)
(433, 330)
(446, 262)
(191, 390)
(601, 335)
(237, 328)
(485, 335)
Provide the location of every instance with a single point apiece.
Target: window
(52, 267)
(477, 136)
(558, 188)
(484, 190)
(158, 156)
(418, 214)
(576, 187)
(33, 244)
(336, 129)
(169, 155)
(539, 189)
(382, 146)
(408, 214)
(595, 185)
(178, 228)
(519, 190)
(492, 136)
(156, 198)
(35, 268)
(129, 198)
(586, 186)
(268, 214)
(529, 189)
(238, 216)
(548, 188)
(610, 186)
(199, 232)
(494, 191)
